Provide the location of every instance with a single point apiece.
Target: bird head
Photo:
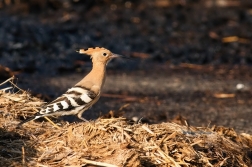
(98, 54)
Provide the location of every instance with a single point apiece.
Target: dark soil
(38, 42)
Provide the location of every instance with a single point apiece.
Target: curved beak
(118, 56)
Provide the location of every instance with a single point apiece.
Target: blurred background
(191, 59)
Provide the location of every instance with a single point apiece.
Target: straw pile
(112, 142)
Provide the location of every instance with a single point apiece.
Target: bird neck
(97, 74)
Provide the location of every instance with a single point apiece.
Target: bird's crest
(89, 51)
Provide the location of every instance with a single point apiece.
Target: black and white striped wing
(72, 102)
(75, 98)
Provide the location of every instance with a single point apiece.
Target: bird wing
(75, 97)
(73, 101)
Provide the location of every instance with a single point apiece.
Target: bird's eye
(104, 54)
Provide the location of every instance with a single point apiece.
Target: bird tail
(28, 119)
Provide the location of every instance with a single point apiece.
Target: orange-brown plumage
(85, 93)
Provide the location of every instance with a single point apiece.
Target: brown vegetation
(112, 142)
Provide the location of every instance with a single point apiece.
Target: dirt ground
(120, 142)
(203, 95)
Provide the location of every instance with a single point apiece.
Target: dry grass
(112, 142)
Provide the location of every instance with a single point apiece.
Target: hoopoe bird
(85, 93)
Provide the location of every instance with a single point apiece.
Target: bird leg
(80, 116)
